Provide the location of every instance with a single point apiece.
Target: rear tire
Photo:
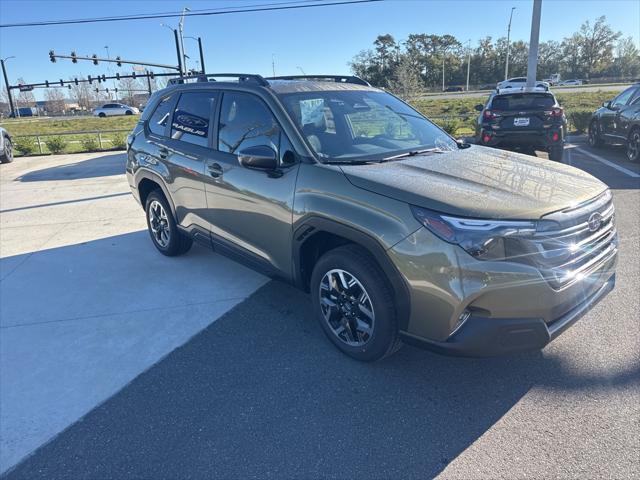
(102, 115)
(556, 153)
(594, 135)
(633, 145)
(354, 304)
(7, 151)
(165, 235)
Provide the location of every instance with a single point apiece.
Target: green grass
(45, 126)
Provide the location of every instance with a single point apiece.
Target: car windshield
(358, 125)
(525, 101)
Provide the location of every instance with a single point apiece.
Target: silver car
(6, 147)
(113, 109)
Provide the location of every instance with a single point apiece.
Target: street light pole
(506, 65)
(6, 83)
(444, 54)
(532, 65)
(181, 30)
(468, 62)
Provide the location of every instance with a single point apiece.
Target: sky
(315, 40)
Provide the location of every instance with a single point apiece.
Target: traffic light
(95, 59)
(116, 90)
(69, 87)
(118, 62)
(90, 79)
(99, 79)
(75, 80)
(151, 75)
(133, 74)
(97, 90)
(104, 78)
(61, 83)
(106, 90)
(46, 83)
(74, 58)
(52, 56)
(117, 76)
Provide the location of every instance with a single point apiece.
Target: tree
(406, 83)
(83, 94)
(627, 61)
(596, 45)
(55, 103)
(127, 88)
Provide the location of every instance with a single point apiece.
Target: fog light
(462, 319)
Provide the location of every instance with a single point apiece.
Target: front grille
(573, 242)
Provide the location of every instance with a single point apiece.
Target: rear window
(525, 101)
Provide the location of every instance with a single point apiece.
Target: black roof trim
(211, 77)
(335, 78)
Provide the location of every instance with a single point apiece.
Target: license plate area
(521, 122)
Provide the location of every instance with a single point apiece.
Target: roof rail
(211, 77)
(335, 78)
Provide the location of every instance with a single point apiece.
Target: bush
(119, 142)
(56, 144)
(25, 146)
(449, 125)
(579, 119)
(89, 143)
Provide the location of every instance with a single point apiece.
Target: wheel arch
(147, 182)
(317, 235)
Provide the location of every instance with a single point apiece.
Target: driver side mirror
(607, 105)
(479, 107)
(259, 157)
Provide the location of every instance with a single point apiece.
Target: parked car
(570, 83)
(454, 89)
(526, 120)
(112, 109)
(519, 82)
(6, 147)
(618, 121)
(398, 232)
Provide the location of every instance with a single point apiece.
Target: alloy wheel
(159, 224)
(8, 149)
(633, 146)
(346, 307)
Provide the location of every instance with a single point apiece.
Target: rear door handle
(163, 152)
(215, 170)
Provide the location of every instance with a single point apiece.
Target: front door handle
(215, 170)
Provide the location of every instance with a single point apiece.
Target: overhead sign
(25, 88)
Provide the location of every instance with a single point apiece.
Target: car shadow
(261, 393)
(101, 166)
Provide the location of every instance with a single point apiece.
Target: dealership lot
(92, 318)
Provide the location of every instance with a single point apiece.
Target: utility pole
(532, 65)
(444, 54)
(180, 67)
(273, 64)
(181, 29)
(6, 84)
(506, 65)
(468, 62)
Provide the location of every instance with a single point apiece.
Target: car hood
(478, 182)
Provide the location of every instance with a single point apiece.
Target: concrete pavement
(260, 392)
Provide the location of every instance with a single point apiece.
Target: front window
(361, 125)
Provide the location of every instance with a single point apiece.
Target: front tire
(556, 153)
(594, 138)
(162, 227)
(7, 151)
(633, 145)
(354, 304)
(128, 112)
(102, 114)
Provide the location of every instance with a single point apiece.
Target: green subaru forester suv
(398, 232)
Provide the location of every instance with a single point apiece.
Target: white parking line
(598, 158)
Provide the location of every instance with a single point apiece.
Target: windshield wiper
(413, 153)
(350, 162)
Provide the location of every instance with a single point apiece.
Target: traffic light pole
(204, 71)
(95, 59)
(6, 83)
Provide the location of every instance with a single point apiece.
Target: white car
(519, 82)
(112, 109)
(569, 83)
(6, 147)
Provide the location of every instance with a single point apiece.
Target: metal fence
(84, 133)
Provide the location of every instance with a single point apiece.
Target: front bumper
(487, 337)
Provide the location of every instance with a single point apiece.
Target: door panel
(251, 210)
(610, 120)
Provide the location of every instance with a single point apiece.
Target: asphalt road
(484, 93)
(260, 393)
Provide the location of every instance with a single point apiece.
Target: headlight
(483, 239)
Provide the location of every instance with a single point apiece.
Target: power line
(221, 11)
